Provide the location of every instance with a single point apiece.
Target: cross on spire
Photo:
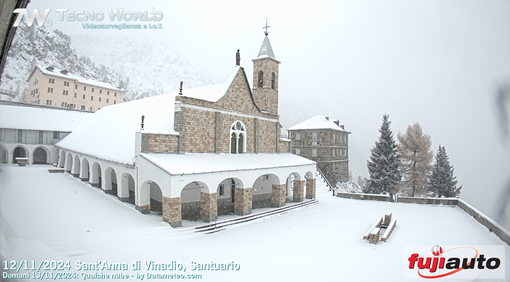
(266, 27)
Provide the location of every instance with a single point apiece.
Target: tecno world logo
(443, 262)
(23, 13)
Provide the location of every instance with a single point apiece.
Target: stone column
(298, 193)
(208, 206)
(172, 211)
(145, 209)
(243, 201)
(278, 195)
(310, 188)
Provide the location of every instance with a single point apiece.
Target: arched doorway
(40, 156)
(76, 167)
(262, 191)
(150, 199)
(19, 152)
(69, 162)
(110, 181)
(85, 172)
(191, 196)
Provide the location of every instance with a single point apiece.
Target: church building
(197, 153)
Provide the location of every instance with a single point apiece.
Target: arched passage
(76, 166)
(40, 156)
(310, 185)
(128, 189)
(62, 159)
(191, 200)
(19, 152)
(110, 184)
(96, 179)
(226, 195)
(69, 162)
(85, 172)
(263, 190)
(294, 188)
(151, 198)
(3, 155)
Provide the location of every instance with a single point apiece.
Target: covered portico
(202, 186)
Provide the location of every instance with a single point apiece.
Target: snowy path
(47, 216)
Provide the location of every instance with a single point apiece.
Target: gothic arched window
(273, 80)
(237, 138)
(261, 79)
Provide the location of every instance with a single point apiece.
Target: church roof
(317, 122)
(40, 118)
(266, 51)
(110, 133)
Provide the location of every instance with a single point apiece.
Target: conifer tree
(383, 168)
(442, 182)
(416, 159)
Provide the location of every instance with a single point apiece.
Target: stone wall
(243, 201)
(191, 210)
(266, 97)
(159, 143)
(172, 211)
(225, 206)
(261, 201)
(199, 130)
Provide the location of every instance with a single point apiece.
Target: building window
(314, 152)
(92, 89)
(83, 96)
(107, 100)
(90, 109)
(273, 80)
(48, 102)
(107, 92)
(65, 92)
(99, 99)
(84, 88)
(66, 83)
(261, 79)
(100, 91)
(314, 138)
(298, 136)
(222, 190)
(83, 108)
(115, 102)
(91, 98)
(237, 138)
(333, 152)
(115, 94)
(76, 86)
(52, 81)
(298, 151)
(75, 95)
(50, 90)
(55, 134)
(20, 136)
(40, 137)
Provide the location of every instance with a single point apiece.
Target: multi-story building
(326, 142)
(59, 88)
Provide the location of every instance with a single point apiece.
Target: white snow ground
(47, 216)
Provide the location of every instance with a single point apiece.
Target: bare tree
(416, 157)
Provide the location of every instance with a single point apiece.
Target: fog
(438, 63)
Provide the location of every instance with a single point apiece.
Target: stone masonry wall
(172, 211)
(199, 130)
(266, 97)
(159, 143)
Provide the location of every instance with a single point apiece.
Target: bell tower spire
(265, 76)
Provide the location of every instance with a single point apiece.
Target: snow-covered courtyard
(54, 216)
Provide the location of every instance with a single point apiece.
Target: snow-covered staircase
(222, 225)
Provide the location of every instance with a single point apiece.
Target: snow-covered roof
(266, 51)
(38, 118)
(110, 133)
(79, 79)
(317, 122)
(211, 93)
(206, 163)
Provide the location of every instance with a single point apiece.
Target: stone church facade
(195, 154)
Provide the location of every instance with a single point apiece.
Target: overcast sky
(438, 63)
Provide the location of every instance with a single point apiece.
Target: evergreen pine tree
(383, 168)
(442, 182)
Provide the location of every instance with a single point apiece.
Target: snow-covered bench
(384, 224)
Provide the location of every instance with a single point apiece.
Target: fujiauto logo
(86, 16)
(455, 262)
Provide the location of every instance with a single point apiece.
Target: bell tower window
(273, 80)
(237, 138)
(261, 79)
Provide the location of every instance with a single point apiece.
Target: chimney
(327, 118)
(143, 118)
(337, 122)
(342, 126)
(180, 89)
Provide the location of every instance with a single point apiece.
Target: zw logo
(461, 258)
(30, 19)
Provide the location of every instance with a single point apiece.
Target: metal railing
(321, 174)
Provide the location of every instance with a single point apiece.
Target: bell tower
(265, 77)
